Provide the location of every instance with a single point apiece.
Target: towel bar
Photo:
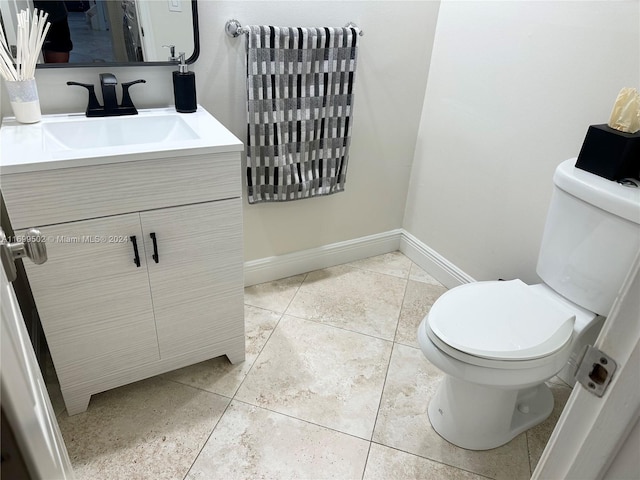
(234, 28)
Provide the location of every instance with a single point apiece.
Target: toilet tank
(591, 236)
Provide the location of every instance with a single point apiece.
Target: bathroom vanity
(142, 219)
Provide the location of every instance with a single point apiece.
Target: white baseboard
(432, 262)
(282, 266)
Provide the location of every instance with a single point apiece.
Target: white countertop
(29, 148)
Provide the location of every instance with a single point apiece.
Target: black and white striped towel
(300, 105)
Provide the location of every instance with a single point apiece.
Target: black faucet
(108, 82)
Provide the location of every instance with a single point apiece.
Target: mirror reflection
(98, 32)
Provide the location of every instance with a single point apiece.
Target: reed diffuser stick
(30, 35)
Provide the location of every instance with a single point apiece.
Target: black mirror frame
(190, 60)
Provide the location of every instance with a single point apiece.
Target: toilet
(497, 342)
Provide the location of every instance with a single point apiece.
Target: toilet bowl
(497, 342)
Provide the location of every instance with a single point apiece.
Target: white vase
(23, 97)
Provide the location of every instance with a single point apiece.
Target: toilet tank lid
(501, 321)
(598, 191)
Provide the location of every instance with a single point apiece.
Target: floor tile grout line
(163, 376)
(204, 444)
(255, 360)
(233, 397)
(309, 422)
(388, 362)
(531, 468)
(214, 427)
(319, 322)
(406, 279)
(306, 275)
(370, 440)
(404, 297)
(245, 375)
(282, 314)
(263, 308)
(275, 281)
(366, 460)
(392, 342)
(352, 264)
(384, 385)
(172, 380)
(402, 277)
(431, 459)
(423, 456)
(368, 270)
(293, 417)
(336, 327)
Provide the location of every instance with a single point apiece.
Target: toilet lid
(501, 320)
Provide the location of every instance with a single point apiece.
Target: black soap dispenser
(184, 87)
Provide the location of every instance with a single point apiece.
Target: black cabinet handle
(136, 258)
(155, 255)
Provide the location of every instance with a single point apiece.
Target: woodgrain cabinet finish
(109, 321)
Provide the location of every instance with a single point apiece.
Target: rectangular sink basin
(73, 140)
(117, 131)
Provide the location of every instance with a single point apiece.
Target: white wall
(512, 88)
(390, 84)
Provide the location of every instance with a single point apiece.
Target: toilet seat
(500, 322)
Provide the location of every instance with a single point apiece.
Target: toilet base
(476, 417)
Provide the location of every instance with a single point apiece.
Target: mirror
(111, 32)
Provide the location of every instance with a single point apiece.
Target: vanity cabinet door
(93, 300)
(197, 282)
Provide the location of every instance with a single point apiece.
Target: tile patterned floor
(333, 386)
